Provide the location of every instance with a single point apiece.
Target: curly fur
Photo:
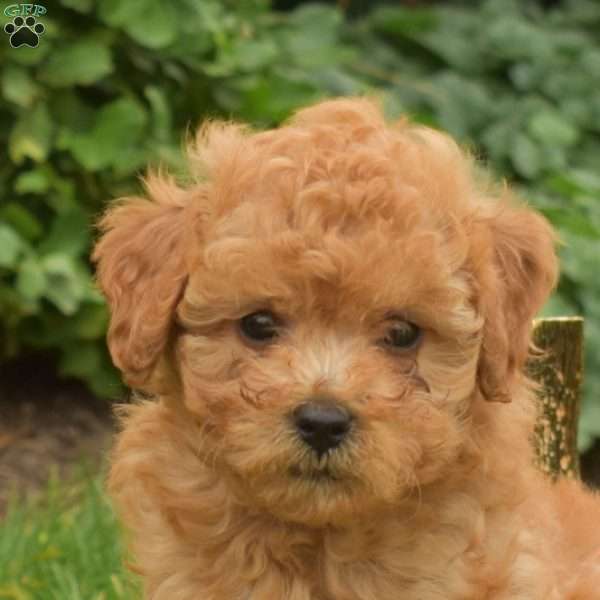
(335, 221)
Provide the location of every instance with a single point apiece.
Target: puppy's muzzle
(322, 425)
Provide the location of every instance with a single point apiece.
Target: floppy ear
(517, 271)
(141, 268)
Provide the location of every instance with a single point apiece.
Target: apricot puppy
(332, 319)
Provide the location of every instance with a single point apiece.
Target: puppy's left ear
(141, 268)
(517, 270)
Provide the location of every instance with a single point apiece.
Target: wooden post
(557, 368)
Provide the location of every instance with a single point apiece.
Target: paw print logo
(24, 32)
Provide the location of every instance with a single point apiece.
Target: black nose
(322, 426)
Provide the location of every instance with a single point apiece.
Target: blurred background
(111, 86)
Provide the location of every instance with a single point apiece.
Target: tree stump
(557, 367)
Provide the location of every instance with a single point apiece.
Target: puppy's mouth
(317, 475)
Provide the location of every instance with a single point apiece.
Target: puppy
(332, 319)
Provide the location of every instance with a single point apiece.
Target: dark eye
(401, 335)
(260, 326)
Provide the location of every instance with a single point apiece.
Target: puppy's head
(328, 300)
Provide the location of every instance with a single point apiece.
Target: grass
(64, 545)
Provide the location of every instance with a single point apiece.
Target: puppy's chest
(360, 566)
(391, 568)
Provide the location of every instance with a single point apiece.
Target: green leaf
(449, 34)
(82, 63)
(66, 287)
(23, 221)
(31, 279)
(90, 362)
(579, 260)
(81, 359)
(525, 76)
(31, 136)
(272, 97)
(90, 322)
(253, 54)
(156, 26)
(11, 246)
(69, 235)
(455, 48)
(576, 223)
(338, 83)
(107, 383)
(12, 308)
(590, 62)
(403, 21)
(70, 110)
(242, 55)
(36, 181)
(116, 134)
(526, 156)
(586, 180)
(577, 110)
(511, 37)
(162, 121)
(462, 105)
(313, 39)
(18, 87)
(61, 196)
(498, 139)
(82, 6)
(151, 23)
(559, 83)
(116, 13)
(550, 128)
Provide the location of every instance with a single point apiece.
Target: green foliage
(114, 85)
(66, 545)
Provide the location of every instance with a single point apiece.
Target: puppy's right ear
(142, 269)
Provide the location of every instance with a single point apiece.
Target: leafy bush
(113, 86)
